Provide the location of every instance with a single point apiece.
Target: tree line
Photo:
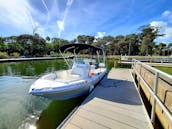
(132, 44)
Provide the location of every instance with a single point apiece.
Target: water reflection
(56, 112)
(31, 68)
(18, 109)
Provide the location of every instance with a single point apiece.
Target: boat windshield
(84, 61)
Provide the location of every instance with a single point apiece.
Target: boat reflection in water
(56, 112)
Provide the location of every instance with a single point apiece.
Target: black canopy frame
(76, 48)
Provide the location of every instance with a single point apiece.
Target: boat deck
(115, 103)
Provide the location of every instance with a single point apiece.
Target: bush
(15, 54)
(3, 55)
(54, 54)
(116, 63)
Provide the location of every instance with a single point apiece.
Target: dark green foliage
(3, 46)
(85, 39)
(131, 44)
(147, 37)
(48, 38)
(169, 49)
(57, 43)
(14, 47)
(160, 49)
(33, 45)
(3, 55)
(49, 48)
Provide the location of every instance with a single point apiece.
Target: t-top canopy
(79, 47)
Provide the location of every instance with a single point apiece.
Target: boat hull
(64, 95)
(66, 90)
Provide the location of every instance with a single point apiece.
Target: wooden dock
(115, 103)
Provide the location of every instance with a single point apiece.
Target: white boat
(75, 82)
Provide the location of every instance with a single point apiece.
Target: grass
(125, 66)
(165, 69)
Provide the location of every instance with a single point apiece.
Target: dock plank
(115, 103)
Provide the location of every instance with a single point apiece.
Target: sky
(69, 18)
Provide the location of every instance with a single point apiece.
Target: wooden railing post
(134, 68)
(154, 101)
(133, 62)
(140, 76)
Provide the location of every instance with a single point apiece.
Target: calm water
(18, 109)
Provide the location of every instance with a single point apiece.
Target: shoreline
(31, 59)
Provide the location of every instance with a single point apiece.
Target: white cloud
(69, 2)
(168, 15)
(44, 32)
(20, 16)
(17, 14)
(60, 25)
(164, 26)
(100, 34)
(160, 24)
(164, 29)
(168, 32)
(48, 14)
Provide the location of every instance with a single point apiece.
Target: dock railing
(151, 59)
(156, 79)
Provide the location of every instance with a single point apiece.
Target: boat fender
(91, 74)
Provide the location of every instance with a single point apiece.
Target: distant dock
(114, 103)
(31, 59)
(154, 61)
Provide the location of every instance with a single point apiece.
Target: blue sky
(69, 18)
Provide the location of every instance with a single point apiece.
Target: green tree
(169, 47)
(15, 47)
(147, 37)
(33, 45)
(119, 45)
(48, 38)
(85, 39)
(49, 48)
(161, 49)
(132, 43)
(57, 43)
(3, 47)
